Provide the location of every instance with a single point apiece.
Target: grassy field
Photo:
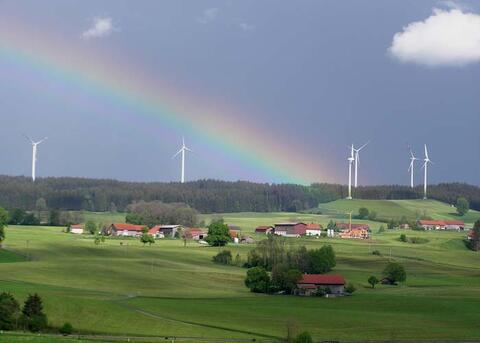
(167, 289)
(411, 209)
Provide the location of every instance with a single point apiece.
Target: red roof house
(290, 229)
(442, 224)
(264, 229)
(309, 283)
(127, 230)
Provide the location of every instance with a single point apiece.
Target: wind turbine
(410, 169)
(34, 154)
(426, 161)
(182, 150)
(351, 159)
(357, 160)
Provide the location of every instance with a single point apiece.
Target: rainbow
(132, 89)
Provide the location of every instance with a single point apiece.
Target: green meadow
(167, 289)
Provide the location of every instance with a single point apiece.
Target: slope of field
(386, 209)
(167, 289)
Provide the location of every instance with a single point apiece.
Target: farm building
(310, 283)
(247, 240)
(442, 224)
(195, 234)
(358, 233)
(166, 230)
(76, 228)
(264, 229)
(290, 229)
(313, 229)
(234, 231)
(348, 226)
(125, 230)
(156, 233)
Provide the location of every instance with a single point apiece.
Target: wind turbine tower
(182, 151)
(410, 169)
(357, 161)
(426, 161)
(34, 154)
(351, 159)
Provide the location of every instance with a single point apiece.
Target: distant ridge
(207, 196)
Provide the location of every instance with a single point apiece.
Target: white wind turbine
(351, 159)
(182, 150)
(357, 160)
(426, 161)
(34, 154)
(410, 169)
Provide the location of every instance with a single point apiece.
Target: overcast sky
(317, 74)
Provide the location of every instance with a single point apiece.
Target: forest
(206, 196)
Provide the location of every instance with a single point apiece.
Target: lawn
(170, 290)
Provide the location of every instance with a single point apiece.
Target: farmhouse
(264, 229)
(348, 226)
(310, 283)
(442, 224)
(125, 230)
(156, 233)
(195, 234)
(166, 230)
(313, 229)
(290, 229)
(359, 233)
(234, 231)
(76, 228)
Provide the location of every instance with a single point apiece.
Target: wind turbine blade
(188, 149)
(42, 140)
(363, 146)
(426, 152)
(28, 138)
(179, 151)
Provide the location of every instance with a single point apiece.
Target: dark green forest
(207, 196)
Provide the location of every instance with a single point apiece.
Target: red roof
(353, 226)
(322, 279)
(76, 226)
(129, 227)
(313, 226)
(454, 222)
(263, 228)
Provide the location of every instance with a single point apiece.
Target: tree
(463, 206)
(394, 272)
(403, 237)
(41, 205)
(284, 278)
(350, 288)
(33, 318)
(372, 215)
(331, 225)
(257, 280)
(363, 213)
(3, 224)
(322, 260)
(147, 238)
(9, 311)
(303, 337)
(223, 257)
(372, 280)
(54, 218)
(16, 216)
(218, 234)
(381, 229)
(91, 227)
(66, 329)
(474, 237)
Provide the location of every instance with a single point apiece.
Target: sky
(265, 91)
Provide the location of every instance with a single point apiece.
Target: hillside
(387, 209)
(100, 288)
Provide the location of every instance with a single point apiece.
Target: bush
(257, 280)
(223, 257)
(304, 337)
(381, 229)
(394, 272)
(376, 252)
(350, 288)
(372, 215)
(403, 237)
(372, 280)
(66, 329)
(363, 213)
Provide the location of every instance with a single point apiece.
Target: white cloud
(208, 15)
(447, 37)
(101, 27)
(246, 26)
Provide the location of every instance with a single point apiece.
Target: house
(76, 228)
(264, 229)
(310, 283)
(358, 233)
(442, 224)
(167, 230)
(290, 229)
(313, 229)
(195, 234)
(155, 232)
(348, 226)
(234, 231)
(247, 240)
(125, 230)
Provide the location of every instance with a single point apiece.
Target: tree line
(206, 196)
